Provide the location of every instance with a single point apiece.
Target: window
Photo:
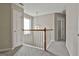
(27, 25)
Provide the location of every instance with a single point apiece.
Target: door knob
(78, 34)
(15, 31)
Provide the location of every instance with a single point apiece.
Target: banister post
(45, 38)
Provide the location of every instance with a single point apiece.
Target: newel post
(45, 38)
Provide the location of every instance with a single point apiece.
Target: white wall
(42, 22)
(71, 28)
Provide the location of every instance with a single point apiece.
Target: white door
(78, 35)
(17, 27)
(59, 30)
(14, 28)
(78, 31)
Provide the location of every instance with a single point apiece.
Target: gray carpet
(55, 49)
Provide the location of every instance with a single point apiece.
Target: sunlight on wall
(27, 25)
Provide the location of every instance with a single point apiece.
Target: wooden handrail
(44, 34)
(34, 30)
(37, 29)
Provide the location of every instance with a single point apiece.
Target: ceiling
(36, 9)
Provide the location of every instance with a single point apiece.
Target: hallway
(55, 49)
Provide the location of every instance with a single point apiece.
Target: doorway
(60, 27)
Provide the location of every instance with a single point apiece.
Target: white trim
(13, 48)
(68, 50)
(19, 5)
(32, 46)
(7, 49)
(49, 43)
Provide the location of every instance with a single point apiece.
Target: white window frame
(27, 32)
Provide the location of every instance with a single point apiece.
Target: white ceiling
(43, 8)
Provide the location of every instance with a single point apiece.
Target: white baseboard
(32, 46)
(38, 47)
(7, 49)
(68, 50)
(49, 43)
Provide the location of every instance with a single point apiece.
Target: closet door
(59, 30)
(78, 35)
(14, 28)
(78, 30)
(19, 28)
(60, 25)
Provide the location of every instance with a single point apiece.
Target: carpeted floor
(55, 49)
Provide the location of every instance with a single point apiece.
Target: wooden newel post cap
(45, 29)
